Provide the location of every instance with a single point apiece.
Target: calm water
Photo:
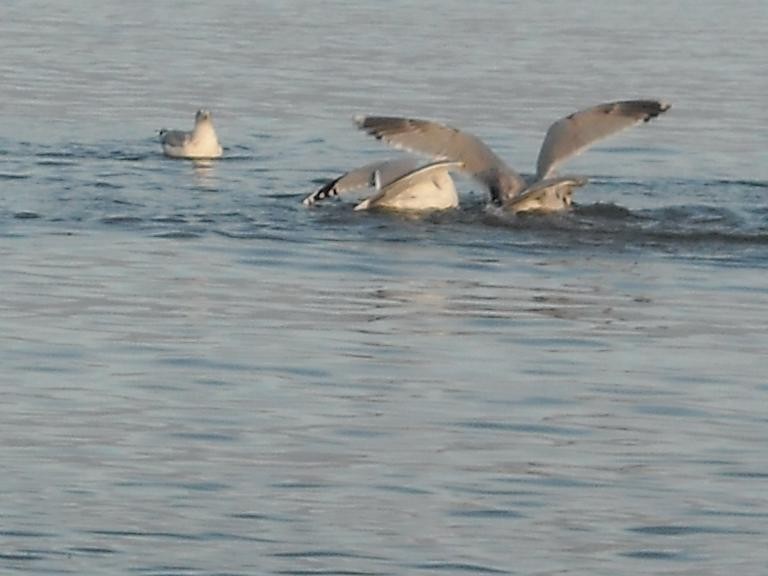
(202, 377)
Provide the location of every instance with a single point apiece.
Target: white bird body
(400, 184)
(200, 142)
(429, 187)
(565, 138)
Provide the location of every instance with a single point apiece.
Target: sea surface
(202, 377)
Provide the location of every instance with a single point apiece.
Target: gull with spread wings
(566, 138)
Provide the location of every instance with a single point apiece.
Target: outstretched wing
(389, 170)
(446, 143)
(573, 134)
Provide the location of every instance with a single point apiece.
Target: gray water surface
(200, 376)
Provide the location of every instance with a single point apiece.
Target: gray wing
(363, 177)
(445, 142)
(174, 137)
(573, 134)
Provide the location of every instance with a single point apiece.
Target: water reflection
(205, 174)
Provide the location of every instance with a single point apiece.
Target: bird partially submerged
(565, 138)
(199, 143)
(400, 184)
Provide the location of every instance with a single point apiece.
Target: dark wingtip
(371, 125)
(381, 127)
(367, 124)
(656, 108)
(327, 190)
(364, 124)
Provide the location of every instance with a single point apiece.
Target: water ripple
(653, 555)
(678, 530)
(526, 428)
(458, 567)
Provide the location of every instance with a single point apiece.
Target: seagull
(400, 184)
(201, 142)
(566, 138)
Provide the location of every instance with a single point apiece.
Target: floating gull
(566, 138)
(401, 184)
(201, 142)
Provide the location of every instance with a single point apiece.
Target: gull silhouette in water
(545, 192)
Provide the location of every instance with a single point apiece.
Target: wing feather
(175, 138)
(573, 134)
(389, 170)
(446, 143)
